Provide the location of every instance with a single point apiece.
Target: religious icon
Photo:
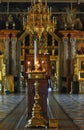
(82, 65)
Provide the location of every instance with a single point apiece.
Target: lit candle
(42, 61)
(38, 66)
(28, 62)
(35, 52)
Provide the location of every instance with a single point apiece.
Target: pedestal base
(43, 93)
(37, 122)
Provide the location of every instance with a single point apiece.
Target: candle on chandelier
(34, 1)
(45, 2)
(48, 9)
(53, 19)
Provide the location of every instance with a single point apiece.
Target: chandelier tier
(39, 20)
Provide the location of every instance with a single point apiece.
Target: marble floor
(67, 109)
(8, 103)
(73, 106)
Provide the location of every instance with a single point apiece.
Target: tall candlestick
(35, 52)
(45, 2)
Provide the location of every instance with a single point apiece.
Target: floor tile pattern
(17, 119)
(73, 105)
(10, 100)
(8, 103)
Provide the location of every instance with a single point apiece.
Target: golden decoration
(39, 20)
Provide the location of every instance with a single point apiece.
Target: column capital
(6, 39)
(14, 39)
(65, 39)
(73, 40)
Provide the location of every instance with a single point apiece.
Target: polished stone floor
(67, 109)
(73, 105)
(8, 103)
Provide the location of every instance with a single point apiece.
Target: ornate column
(73, 52)
(65, 56)
(9, 37)
(60, 65)
(13, 41)
(71, 36)
(18, 71)
(23, 50)
(6, 44)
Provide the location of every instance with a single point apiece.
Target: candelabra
(39, 20)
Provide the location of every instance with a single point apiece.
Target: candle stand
(37, 120)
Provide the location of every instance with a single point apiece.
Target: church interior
(42, 64)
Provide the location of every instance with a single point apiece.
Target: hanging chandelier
(38, 19)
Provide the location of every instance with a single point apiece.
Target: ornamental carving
(70, 19)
